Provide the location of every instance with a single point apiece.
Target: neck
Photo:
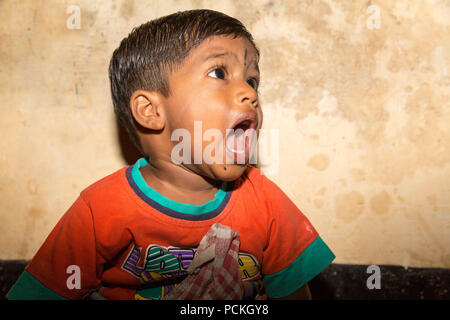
(178, 182)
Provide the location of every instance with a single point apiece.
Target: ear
(147, 109)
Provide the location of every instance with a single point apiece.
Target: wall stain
(321, 191)
(381, 202)
(32, 187)
(432, 200)
(320, 162)
(127, 9)
(358, 175)
(318, 203)
(349, 206)
(36, 213)
(421, 143)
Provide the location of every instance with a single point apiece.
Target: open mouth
(244, 125)
(239, 139)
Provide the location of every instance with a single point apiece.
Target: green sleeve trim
(313, 260)
(28, 287)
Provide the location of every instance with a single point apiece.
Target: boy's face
(217, 87)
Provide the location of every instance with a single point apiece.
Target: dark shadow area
(336, 282)
(349, 282)
(10, 270)
(129, 151)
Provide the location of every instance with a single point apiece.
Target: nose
(246, 95)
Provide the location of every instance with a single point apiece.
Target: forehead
(238, 49)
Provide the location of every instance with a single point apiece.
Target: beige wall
(362, 111)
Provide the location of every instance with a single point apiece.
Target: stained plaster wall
(359, 96)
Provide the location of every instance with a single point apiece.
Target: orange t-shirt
(120, 235)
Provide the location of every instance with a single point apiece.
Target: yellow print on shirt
(248, 266)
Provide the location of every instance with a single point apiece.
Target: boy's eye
(220, 73)
(217, 73)
(253, 83)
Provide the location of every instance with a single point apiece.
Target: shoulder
(106, 187)
(253, 175)
(255, 178)
(255, 185)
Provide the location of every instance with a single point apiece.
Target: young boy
(134, 233)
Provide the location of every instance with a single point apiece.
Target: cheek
(212, 102)
(202, 102)
(182, 112)
(260, 117)
(212, 111)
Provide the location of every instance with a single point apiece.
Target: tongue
(236, 141)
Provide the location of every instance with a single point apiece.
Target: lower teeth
(236, 142)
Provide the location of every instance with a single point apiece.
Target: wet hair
(151, 52)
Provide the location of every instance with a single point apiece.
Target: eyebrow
(228, 53)
(220, 55)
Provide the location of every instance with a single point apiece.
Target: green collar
(192, 209)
